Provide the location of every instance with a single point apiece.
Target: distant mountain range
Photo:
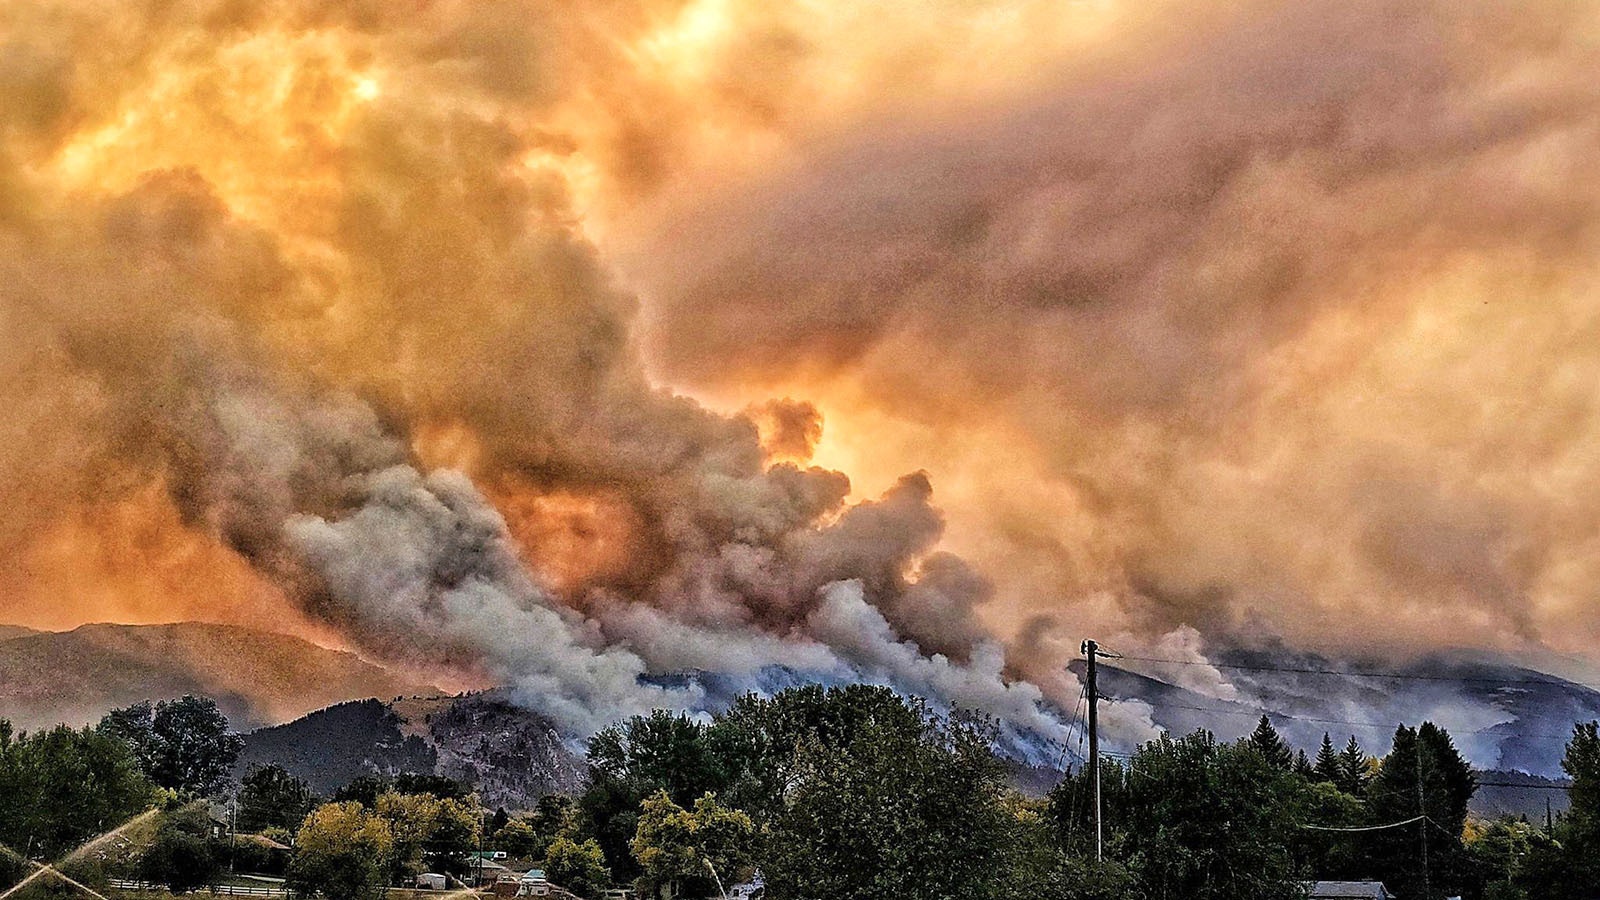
(1511, 722)
(1500, 716)
(257, 677)
(512, 756)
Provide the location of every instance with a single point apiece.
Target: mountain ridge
(257, 677)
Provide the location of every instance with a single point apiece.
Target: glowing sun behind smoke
(1009, 318)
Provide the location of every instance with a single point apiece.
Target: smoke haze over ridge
(540, 343)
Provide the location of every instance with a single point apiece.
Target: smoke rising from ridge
(1177, 324)
(1282, 327)
(301, 281)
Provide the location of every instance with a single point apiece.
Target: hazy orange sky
(1202, 322)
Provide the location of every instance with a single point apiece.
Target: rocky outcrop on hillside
(511, 755)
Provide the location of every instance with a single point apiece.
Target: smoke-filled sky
(566, 343)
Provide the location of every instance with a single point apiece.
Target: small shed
(431, 881)
(1347, 890)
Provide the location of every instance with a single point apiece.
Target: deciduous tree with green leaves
(181, 855)
(184, 745)
(901, 804)
(678, 848)
(271, 797)
(60, 787)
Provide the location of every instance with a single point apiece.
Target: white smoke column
(424, 569)
(1192, 669)
(852, 627)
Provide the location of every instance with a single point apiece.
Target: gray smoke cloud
(1206, 324)
(1280, 326)
(360, 350)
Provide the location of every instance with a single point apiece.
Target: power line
(1513, 784)
(1409, 821)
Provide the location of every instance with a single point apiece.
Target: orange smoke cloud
(1278, 331)
(1224, 318)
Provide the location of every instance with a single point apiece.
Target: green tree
(184, 745)
(1498, 853)
(342, 851)
(1567, 867)
(663, 751)
(1036, 868)
(1581, 762)
(901, 804)
(1354, 768)
(577, 867)
(1208, 821)
(1423, 775)
(1327, 768)
(676, 847)
(60, 787)
(1303, 767)
(1272, 747)
(519, 840)
(1079, 878)
(271, 797)
(1328, 854)
(364, 789)
(664, 846)
(429, 833)
(427, 783)
(724, 837)
(181, 856)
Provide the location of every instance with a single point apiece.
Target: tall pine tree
(1353, 771)
(1423, 776)
(1266, 741)
(1327, 767)
(1303, 767)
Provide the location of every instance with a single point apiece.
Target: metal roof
(1337, 890)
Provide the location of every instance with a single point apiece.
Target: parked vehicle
(533, 884)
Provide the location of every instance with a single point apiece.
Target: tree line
(847, 793)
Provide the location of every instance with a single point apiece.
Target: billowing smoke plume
(307, 286)
(1283, 326)
(376, 320)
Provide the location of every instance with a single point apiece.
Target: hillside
(257, 677)
(1501, 716)
(512, 755)
(7, 632)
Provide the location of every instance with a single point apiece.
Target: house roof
(1336, 890)
(487, 865)
(262, 840)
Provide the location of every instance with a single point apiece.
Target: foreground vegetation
(848, 793)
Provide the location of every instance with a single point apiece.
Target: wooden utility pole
(1090, 650)
(1422, 824)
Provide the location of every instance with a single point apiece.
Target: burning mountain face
(498, 339)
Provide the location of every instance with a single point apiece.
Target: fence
(228, 890)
